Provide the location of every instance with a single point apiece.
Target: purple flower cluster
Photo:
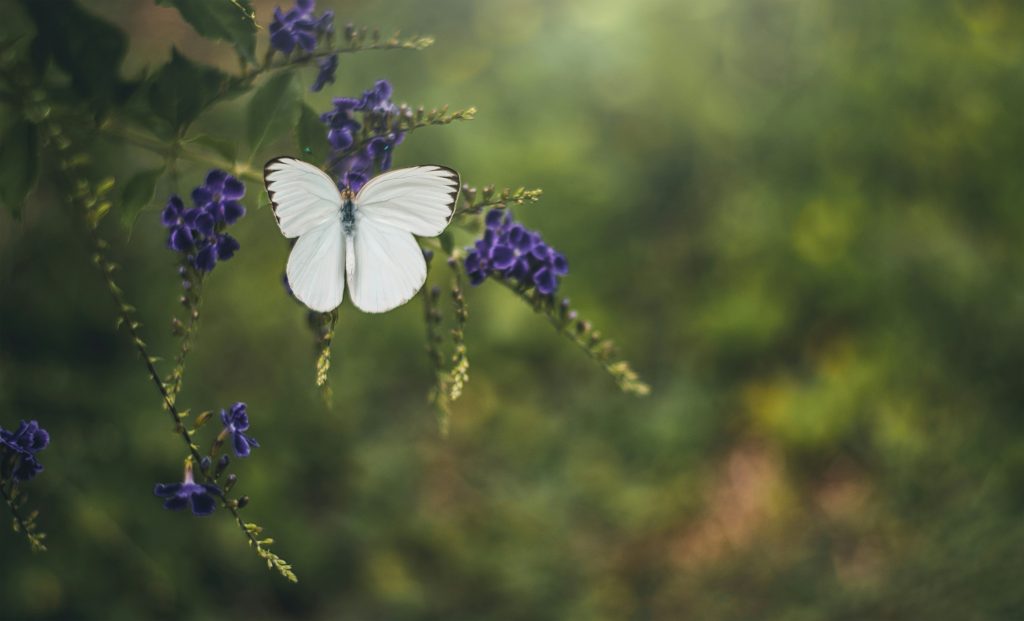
(509, 250)
(18, 450)
(188, 492)
(299, 27)
(375, 106)
(236, 422)
(198, 232)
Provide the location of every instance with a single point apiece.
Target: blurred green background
(800, 219)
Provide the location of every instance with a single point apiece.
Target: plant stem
(178, 149)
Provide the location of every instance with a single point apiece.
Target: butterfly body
(348, 214)
(364, 240)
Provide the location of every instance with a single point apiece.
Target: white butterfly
(365, 237)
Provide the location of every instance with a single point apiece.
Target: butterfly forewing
(419, 200)
(302, 195)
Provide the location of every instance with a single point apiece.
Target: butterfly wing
(385, 264)
(307, 205)
(386, 267)
(418, 200)
(316, 267)
(302, 195)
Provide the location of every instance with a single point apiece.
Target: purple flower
(236, 422)
(171, 215)
(509, 250)
(299, 27)
(20, 448)
(374, 108)
(296, 28)
(380, 149)
(328, 67)
(341, 127)
(178, 495)
(198, 232)
(226, 246)
(219, 196)
(180, 239)
(325, 23)
(377, 100)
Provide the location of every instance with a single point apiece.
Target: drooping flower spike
(508, 250)
(374, 105)
(198, 232)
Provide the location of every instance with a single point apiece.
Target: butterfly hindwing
(386, 266)
(316, 267)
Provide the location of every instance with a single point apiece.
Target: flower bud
(222, 463)
(230, 482)
(202, 419)
(243, 501)
(205, 463)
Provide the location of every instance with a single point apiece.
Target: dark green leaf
(180, 91)
(447, 243)
(228, 20)
(311, 136)
(138, 193)
(87, 48)
(18, 164)
(274, 109)
(224, 148)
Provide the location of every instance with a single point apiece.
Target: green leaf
(311, 136)
(180, 91)
(87, 48)
(274, 109)
(222, 147)
(262, 199)
(447, 242)
(19, 166)
(228, 20)
(138, 193)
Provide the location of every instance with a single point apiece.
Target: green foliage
(138, 193)
(310, 136)
(800, 219)
(227, 20)
(88, 49)
(223, 147)
(274, 110)
(182, 89)
(19, 167)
